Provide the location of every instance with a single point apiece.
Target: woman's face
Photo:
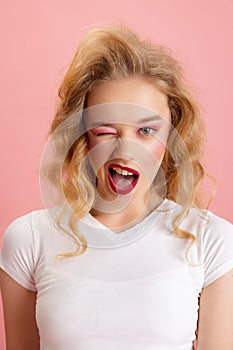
(127, 126)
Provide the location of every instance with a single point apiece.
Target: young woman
(123, 256)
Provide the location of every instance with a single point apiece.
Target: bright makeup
(122, 179)
(103, 130)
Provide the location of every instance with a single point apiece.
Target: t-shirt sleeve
(217, 248)
(17, 252)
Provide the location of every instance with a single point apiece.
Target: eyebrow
(149, 119)
(140, 121)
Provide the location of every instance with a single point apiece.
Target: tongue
(122, 181)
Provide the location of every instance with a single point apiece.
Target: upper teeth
(122, 171)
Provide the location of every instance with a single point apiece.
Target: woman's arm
(215, 325)
(19, 314)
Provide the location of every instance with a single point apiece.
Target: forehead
(117, 112)
(126, 100)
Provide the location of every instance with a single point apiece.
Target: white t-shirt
(132, 290)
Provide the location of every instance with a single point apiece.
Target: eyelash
(152, 130)
(105, 133)
(114, 133)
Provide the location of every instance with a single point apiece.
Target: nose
(126, 148)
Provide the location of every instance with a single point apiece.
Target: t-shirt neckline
(91, 220)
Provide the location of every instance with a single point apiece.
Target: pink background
(39, 39)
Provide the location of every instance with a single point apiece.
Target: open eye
(147, 130)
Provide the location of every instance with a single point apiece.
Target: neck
(124, 214)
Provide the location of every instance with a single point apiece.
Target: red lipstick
(122, 179)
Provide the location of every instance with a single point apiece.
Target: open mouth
(122, 179)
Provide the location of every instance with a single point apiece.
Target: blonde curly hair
(112, 53)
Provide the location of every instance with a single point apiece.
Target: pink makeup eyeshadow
(103, 130)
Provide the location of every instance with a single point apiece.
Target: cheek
(157, 150)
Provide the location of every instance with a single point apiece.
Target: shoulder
(32, 235)
(22, 227)
(201, 222)
(216, 243)
(23, 234)
(20, 251)
(18, 256)
(215, 230)
(213, 248)
(218, 225)
(214, 234)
